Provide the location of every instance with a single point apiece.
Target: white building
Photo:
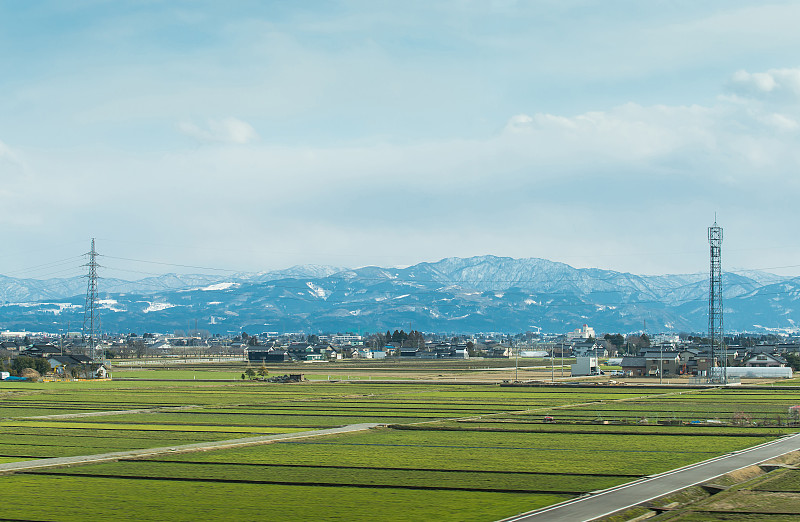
(533, 353)
(666, 339)
(584, 332)
(355, 340)
(585, 366)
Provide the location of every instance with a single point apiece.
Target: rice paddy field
(443, 451)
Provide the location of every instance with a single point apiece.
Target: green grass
(239, 430)
(543, 452)
(124, 373)
(131, 499)
(494, 438)
(786, 481)
(401, 478)
(706, 516)
(11, 459)
(537, 425)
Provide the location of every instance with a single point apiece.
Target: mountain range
(458, 295)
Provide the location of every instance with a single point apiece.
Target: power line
(156, 274)
(301, 287)
(46, 265)
(583, 273)
(170, 264)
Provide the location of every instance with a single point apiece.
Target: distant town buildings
(584, 332)
(339, 339)
(636, 354)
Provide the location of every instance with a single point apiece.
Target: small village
(584, 353)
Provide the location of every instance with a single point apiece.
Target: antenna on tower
(715, 330)
(91, 321)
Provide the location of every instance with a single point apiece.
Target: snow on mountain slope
(464, 294)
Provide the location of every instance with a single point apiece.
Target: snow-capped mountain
(26, 290)
(484, 293)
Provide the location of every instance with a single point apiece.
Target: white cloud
(519, 122)
(227, 130)
(784, 82)
(611, 176)
(630, 134)
(763, 82)
(780, 122)
(6, 154)
(12, 164)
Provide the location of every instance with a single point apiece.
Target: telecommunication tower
(90, 316)
(719, 351)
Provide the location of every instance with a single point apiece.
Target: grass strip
(313, 466)
(294, 483)
(788, 481)
(458, 446)
(73, 425)
(428, 427)
(121, 499)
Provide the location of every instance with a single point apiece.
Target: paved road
(11, 467)
(627, 495)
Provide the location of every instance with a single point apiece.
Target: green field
(789, 480)
(134, 499)
(444, 451)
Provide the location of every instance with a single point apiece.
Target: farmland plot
(455, 452)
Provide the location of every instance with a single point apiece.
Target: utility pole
(90, 316)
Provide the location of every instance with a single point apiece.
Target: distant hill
(474, 294)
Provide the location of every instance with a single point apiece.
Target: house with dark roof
(634, 366)
(764, 360)
(667, 361)
(42, 350)
(588, 349)
(257, 354)
(70, 364)
(11, 346)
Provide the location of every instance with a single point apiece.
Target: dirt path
(164, 409)
(11, 467)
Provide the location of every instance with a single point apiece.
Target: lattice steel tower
(90, 316)
(719, 351)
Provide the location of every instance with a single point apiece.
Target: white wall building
(585, 366)
(534, 353)
(666, 338)
(346, 339)
(584, 332)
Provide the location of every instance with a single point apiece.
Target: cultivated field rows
(450, 452)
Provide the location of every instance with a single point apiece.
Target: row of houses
(694, 361)
(308, 352)
(441, 351)
(327, 352)
(62, 363)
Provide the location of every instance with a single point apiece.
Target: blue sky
(259, 135)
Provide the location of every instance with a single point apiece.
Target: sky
(253, 136)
